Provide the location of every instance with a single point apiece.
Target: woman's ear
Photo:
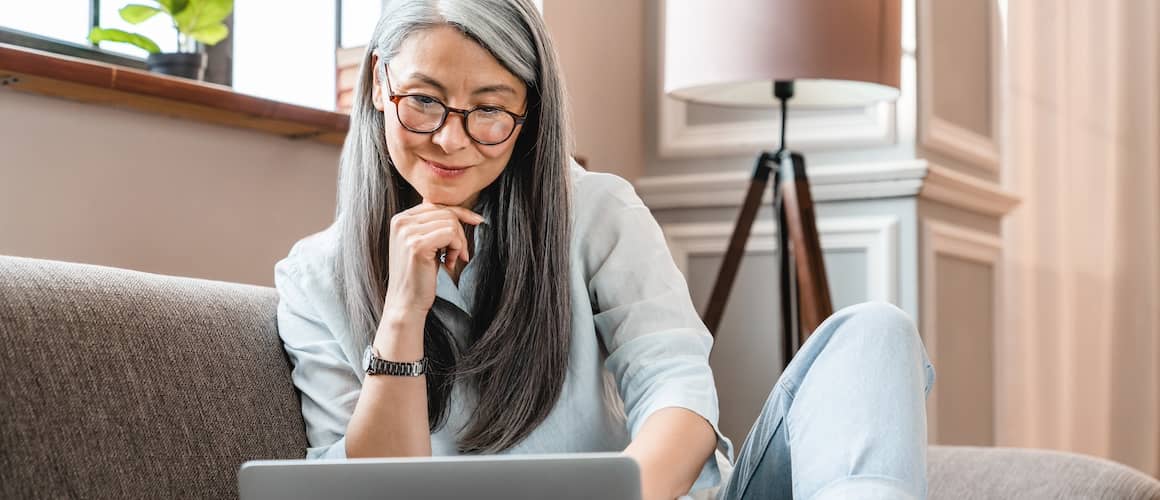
(376, 85)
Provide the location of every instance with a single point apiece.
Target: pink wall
(600, 43)
(88, 183)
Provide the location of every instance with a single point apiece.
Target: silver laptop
(557, 476)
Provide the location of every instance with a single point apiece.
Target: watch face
(367, 358)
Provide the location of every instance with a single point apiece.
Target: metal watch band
(379, 366)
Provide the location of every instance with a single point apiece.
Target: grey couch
(116, 383)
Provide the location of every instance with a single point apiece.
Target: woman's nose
(452, 136)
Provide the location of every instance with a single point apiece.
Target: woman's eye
(426, 100)
(489, 110)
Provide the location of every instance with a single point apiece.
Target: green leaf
(202, 14)
(98, 35)
(136, 14)
(173, 7)
(211, 35)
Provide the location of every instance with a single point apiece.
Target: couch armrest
(973, 473)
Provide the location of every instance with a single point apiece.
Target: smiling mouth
(445, 171)
(445, 167)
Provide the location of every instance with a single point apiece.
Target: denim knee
(892, 328)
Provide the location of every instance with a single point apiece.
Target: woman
(503, 300)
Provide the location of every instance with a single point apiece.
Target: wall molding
(827, 183)
(966, 192)
(940, 135)
(876, 235)
(940, 238)
(809, 130)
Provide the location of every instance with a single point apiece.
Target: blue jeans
(847, 418)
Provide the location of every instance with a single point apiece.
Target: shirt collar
(463, 295)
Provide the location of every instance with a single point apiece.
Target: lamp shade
(840, 53)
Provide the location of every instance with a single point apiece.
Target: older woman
(479, 292)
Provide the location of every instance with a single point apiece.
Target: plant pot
(185, 65)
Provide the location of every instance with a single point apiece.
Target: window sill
(44, 73)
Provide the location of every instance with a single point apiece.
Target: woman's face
(446, 167)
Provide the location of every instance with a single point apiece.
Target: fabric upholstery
(123, 384)
(116, 383)
(972, 473)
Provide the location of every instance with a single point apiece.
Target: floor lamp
(758, 53)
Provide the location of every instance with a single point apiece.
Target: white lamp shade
(840, 53)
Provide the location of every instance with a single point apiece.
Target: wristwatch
(379, 366)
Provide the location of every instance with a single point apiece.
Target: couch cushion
(973, 473)
(117, 383)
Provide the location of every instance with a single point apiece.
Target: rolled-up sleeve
(322, 372)
(658, 346)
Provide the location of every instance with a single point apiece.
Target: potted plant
(194, 20)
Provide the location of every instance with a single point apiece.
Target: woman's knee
(878, 323)
(860, 337)
(886, 328)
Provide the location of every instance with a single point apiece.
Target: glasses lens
(490, 126)
(420, 113)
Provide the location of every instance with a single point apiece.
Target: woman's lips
(444, 170)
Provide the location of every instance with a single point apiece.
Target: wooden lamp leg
(732, 260)
(805, 291)
(786, 287)
(813, 290)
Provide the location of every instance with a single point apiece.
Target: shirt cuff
(670, 369)
(336, 450)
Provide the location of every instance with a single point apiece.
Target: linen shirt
(625, 290)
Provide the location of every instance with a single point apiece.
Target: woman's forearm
(671, 448)
(390, 419)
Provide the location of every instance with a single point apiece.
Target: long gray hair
(521, 324)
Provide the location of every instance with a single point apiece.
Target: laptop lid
(578, 476)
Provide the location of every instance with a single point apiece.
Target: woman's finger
(437, 214)
(455, 245)
(465, 215)
(421, 208)
(429, 244)
(418, 213)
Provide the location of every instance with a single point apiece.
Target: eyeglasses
(423, 114)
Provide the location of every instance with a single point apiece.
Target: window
(285, 51)
(70, 21)
(288, 54)
(281, 50)
(358, 21)
(65, 20)
(159, 29)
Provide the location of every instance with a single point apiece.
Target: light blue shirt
(625, 289)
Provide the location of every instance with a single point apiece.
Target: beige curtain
(1080, 361)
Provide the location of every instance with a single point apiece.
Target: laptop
(571, 476)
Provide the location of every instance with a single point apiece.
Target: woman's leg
(847, 418)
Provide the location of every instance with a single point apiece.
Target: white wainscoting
(876, 235)
(940, 238)
(848, 181)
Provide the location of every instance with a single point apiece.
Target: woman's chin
(441, 196)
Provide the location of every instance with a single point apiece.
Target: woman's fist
(418, 235)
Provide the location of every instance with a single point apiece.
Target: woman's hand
(417, 236)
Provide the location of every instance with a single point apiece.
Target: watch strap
(379, 366)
